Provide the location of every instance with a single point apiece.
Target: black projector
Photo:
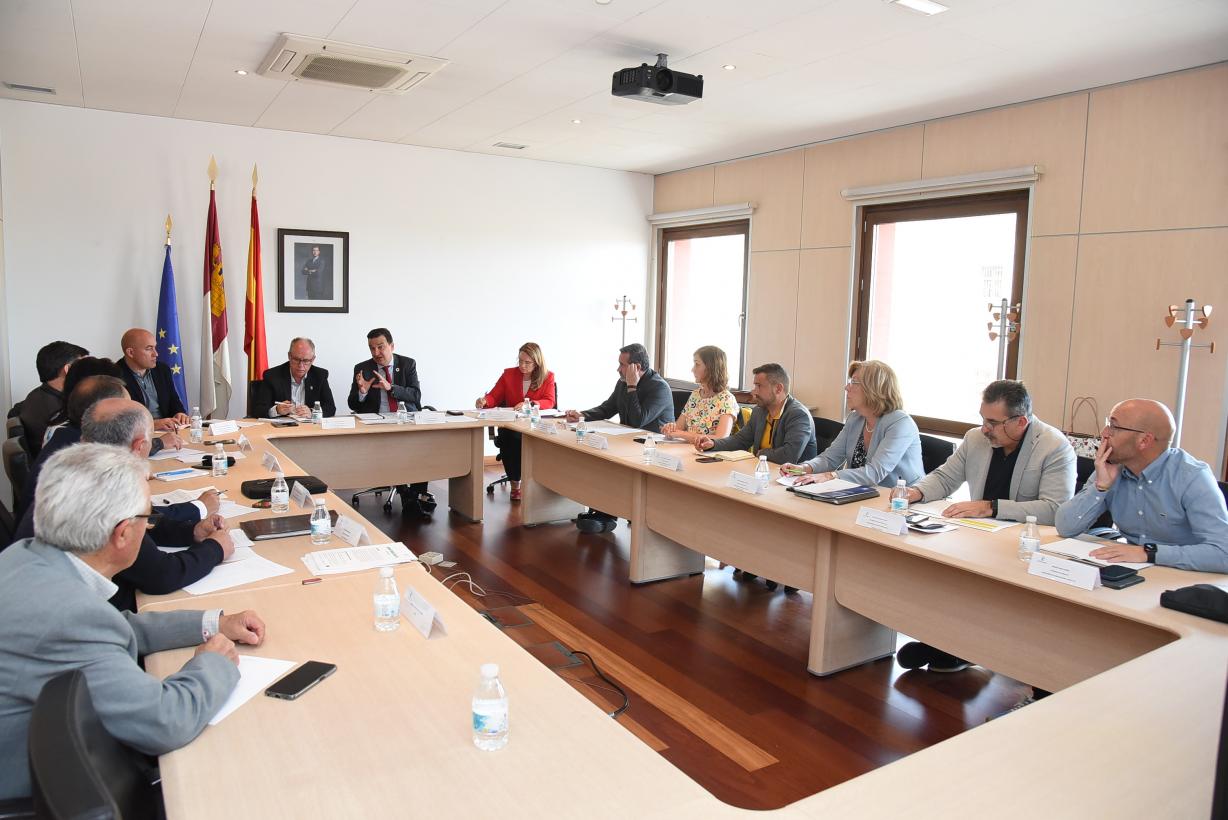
(657, 84)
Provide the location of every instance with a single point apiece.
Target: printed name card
(881, 520)
(1071, 573)
(597, 442)
(745, 482)
(667, 461)
(337, 423)
(218, 428)
(350, 531)
(429, 417)
(272, 464)
(419, 612)
(245, 444)
(300, 495)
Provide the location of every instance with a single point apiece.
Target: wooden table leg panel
(365, 461)
(839, 637)
(465, 491)
(571, 474)
(654, 556)
(1053, 644)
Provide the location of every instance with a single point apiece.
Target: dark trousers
(508, 442)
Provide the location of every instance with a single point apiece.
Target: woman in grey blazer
(879, 443)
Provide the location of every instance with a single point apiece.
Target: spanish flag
(253, 316)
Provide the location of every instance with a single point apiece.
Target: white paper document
(250, 423)
(819, 486)
(337, 423)
(1080, 549)
(459, 419)
(428, 417)
(934, 510)
(498, 414)
(170, 452)
(354, 559)
(375, 418)
(225, 576)
(229, 509)
(240, 538)
(180, 475)
(609, 428)
(255, 675)
(219, 428)
(178, 496)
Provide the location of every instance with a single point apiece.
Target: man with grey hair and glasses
(1015, 466)
(293, 388)
(90, 523)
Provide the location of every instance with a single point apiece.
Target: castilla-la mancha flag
(214, 356)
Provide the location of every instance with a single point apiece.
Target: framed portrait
(313, 271)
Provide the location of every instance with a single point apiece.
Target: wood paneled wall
(1130, 214)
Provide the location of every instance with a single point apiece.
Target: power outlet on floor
(430, 558)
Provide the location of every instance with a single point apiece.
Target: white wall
(462, 256)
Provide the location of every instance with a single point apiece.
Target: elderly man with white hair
(53, 604)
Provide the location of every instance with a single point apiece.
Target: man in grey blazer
(93, 505)
(1014, 463)
(1015, 466)
(792, 435)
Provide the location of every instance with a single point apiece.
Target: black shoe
(790, 590)
(410, 508)
(594, 522)
(771, 585)
(945, 662)
(427, 502)
(748, 576)
(914, 655)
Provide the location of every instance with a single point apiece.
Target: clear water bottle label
(387, 606)
(321, 526)
(899, 505)
(489, 718)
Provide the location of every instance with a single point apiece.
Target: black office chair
(825, 431)
(8, 528)
(378, 492)
(15, 410)
(17, 468)
(934, 452)
(13, 428)
(254, 391)
(490, 431)
(680, 397)
(77, 769)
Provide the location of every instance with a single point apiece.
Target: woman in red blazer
(528, 380)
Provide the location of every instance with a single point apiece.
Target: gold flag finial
(255, 178)
(168, 229)
(212, 172)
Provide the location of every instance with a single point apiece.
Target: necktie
(392, 403)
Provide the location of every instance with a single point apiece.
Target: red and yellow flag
(253, 315)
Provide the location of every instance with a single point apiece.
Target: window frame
(730, 227)
(1017, 201)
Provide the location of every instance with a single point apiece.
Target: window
(927, 273)
(702, 296)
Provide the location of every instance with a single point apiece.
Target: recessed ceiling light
(923, 6)
(242, 72)
(729, 66)
(575, 122)
(603, 2)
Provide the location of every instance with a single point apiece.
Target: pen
(307, 581)
(1077, 560)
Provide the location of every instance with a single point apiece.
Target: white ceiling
(521, 70)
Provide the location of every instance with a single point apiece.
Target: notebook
(286, 526)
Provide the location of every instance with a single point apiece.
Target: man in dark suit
(317, 276)
(46, 400)
(293, 388)
(150, 382)
(383, 383)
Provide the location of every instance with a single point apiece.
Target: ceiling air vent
(33, 89)
(329, 62)
(515, 145)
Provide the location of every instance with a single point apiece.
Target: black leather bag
(1203, 600)
(259, 488)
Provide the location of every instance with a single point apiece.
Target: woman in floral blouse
(711, 408)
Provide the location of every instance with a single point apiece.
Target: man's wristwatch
(1150, 549)
(994, 504)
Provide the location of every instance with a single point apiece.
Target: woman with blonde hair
(528, 380)
(879, 444)
(711, 408)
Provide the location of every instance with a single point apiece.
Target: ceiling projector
(657, 84)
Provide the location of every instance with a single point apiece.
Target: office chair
(490, 432)
(825, 431)
(15, 410)
(17, 468)
(934, 451)
(680, 398)
(77, 769)
(13, 428)
(8, 527)
(378, 492)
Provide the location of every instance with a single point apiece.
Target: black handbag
(1203, 600)
(259, 488)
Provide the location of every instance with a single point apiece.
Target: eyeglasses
(527, 363)
(151, 519)
(1117, 428)
(852, 382)
(994, 424)
(302, 361)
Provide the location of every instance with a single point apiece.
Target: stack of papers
(732, 455)
(934, 510)
(1080, 550)
(171, 452)
(236, 574)
(498, 414)
(179, 496)
(609, 428)
(818, 486)
(354, 559)
(375, 418)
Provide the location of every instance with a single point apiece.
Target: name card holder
(597, 441)
(272, 464)
(429, 417)
(745, 482)
(421, 613)
(1071, 573)
(882, 521)
(218, 428)
(245, 444)
(667, 461)
(300, 495)
(337, 423)
(350, 531)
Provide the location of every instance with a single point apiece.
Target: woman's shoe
(515, 494)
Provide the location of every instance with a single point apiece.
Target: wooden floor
(715, 667)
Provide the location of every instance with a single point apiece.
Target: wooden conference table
(1132, 733)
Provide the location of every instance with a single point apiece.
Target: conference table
(1131, 730)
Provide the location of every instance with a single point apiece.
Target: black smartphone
(295, 683)
(284, 423)
(223, 441)
(1122, 583)
(639, 439)
(454, 412)
(707, 460)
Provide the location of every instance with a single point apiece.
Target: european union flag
(169, 350)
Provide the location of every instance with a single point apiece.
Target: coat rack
(1184, 318)
(1004, 328)
(625, 307)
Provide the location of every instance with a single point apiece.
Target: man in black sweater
(641, 398)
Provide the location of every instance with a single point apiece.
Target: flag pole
(255, 177)
(212, 172)
(168, 230)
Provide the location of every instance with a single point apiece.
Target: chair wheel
(355, 501)
(490, 490)
(388, 506)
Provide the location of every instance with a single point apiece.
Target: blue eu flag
(169, 350)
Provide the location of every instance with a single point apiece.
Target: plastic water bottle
(1029, 539)
(581, 431)
(317, 414)
(490, 711)
(535, 415)
(763, 473)
(279, 495)
(650, 448)
(899, 497)
(220, 467)
(321, 523)
(402, 414)
(197, 434)
(387, 602)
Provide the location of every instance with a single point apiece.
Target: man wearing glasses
(1015, 466)
(1163, 500)
(1014, 463)
(293, 388)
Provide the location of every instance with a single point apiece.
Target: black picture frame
(313, 271)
